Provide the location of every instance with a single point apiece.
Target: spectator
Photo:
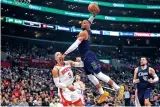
(39, 102)
(17, 92)
(31, 101)
(51, 92)
(3, 102)
(7, 99)
(127, 96)
(89, 102)
(14, 102)
(23, 102)
(57, 103)
(35, 102)
(132, 102)
(53, 101)
(46, 102)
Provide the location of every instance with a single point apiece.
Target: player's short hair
(144, 57)
(87, 21)
(56, 54)
(78, 74)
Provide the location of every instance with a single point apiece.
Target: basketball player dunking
(143, 78)
(91, 65)
(63, 79)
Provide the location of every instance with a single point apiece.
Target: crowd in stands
(34, 86)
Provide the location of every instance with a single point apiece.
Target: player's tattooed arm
(152, 72)
(135, 80)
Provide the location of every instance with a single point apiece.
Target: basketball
(93, 8)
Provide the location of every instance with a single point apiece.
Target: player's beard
(143, 65)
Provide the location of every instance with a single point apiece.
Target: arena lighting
(120, 5)
(73, 29)
(80, 15)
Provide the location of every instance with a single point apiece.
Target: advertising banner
(126, 33)
(140, 34)
(32, 24)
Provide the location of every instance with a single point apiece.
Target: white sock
(100, 90)
(115, 86)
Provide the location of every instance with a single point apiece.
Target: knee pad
(93, 79)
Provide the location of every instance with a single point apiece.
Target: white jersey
(66, 77)
(77, 85)
(65, 73)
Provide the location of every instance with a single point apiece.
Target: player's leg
(147, 96)
(66, 98)
(94, 66)
(95, 81)
(109, 81)
(137, 103)
(89, 72)
(140, 95)
(76, 99)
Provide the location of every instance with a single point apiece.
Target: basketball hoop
(22, 1)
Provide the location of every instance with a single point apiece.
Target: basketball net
(22, 1)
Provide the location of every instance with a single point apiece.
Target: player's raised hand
(136, 81)
(71, 88)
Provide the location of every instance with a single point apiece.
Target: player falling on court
(91, 65)
(63, 79)
(143, 78)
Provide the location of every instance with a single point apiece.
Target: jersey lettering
(65, 70)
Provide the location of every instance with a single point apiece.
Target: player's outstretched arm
(55, 74)
(135, 80)
(152, 72)
(77, 64)
(82, 35)
(91, 19)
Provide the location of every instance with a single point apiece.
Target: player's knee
(147, 103)
(110, 82)
(98, 86)
(93, 79)
(103, 77)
